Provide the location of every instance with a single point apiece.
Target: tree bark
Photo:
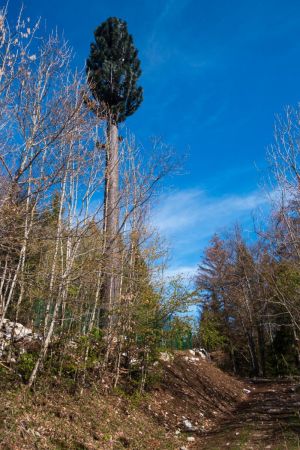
(111, 226)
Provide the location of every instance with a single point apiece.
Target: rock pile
(16, 334)
(196, 354)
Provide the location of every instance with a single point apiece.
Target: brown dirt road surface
(269, 418)
(227, 413)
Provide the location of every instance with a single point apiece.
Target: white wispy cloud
(192, 207)
(188, 218)
(186, 271)
(158, 49)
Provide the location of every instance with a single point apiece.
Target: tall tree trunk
(253, 353)
(262, 347)
(111, 226)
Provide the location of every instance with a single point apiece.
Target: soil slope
(193, 405)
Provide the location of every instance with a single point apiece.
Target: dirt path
(268, 419)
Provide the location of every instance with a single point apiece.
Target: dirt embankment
(224, 412)
(194, 389)
(191, 396)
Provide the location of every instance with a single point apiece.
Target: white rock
(165, 356)
(191, 439)
(202, 353)
(189, 426)
(15, 332)
(134, 361)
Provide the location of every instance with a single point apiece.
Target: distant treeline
(250, 292)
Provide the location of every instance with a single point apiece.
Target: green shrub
(26, 364)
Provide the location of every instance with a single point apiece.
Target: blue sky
(214, 76)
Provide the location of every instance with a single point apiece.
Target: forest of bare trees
(250, 290)
(101, 347)
(80, 264)
(59, 226)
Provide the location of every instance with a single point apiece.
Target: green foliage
(113, 69)
(211, 337)
(282, 354)
(72, 360)
(178, 334)
(134, 397)
(26, 363)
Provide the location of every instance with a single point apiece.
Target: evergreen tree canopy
(113, 69)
